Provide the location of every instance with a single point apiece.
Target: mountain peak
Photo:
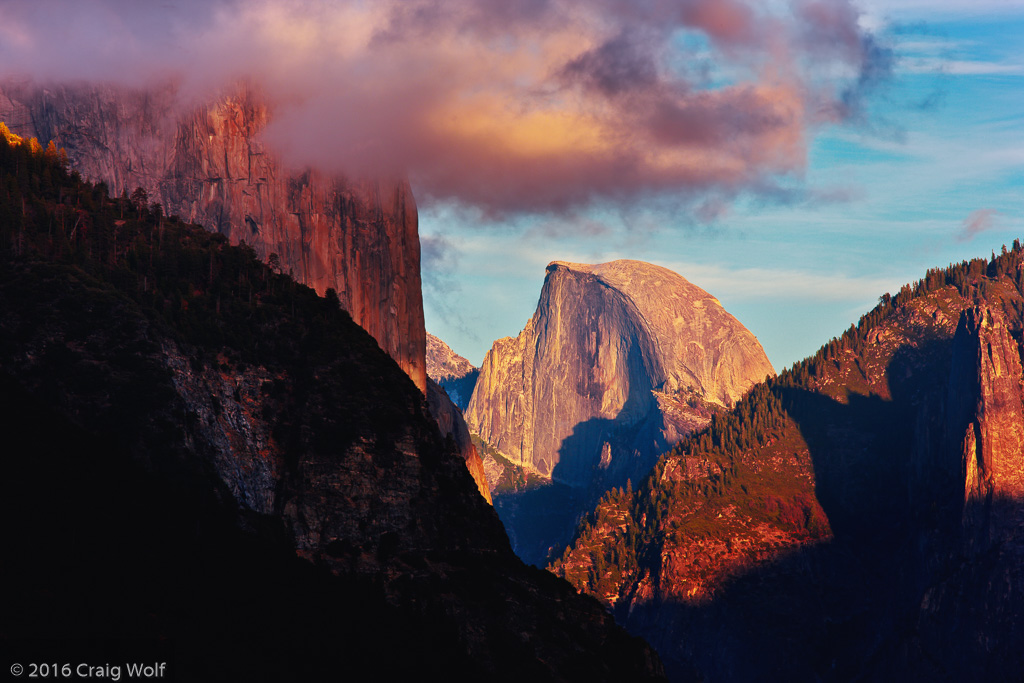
(443, 363)
(605, 340)
(700, 344)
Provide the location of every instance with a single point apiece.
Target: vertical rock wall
(208, 165)
(986, 419)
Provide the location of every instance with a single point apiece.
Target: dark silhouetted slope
(205, 454)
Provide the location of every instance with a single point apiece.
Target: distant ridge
(456, 375)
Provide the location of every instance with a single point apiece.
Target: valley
(231, 439)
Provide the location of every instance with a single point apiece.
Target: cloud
(831, 31)
(439, 261)
(543, 106)
(756, 284)
(946, 7)
(961, 67)
(439, 258)
(979, 221)
(621, 65)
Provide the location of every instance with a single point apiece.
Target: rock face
(450, 377)
(976, 605)
(986, 416)
(207, 164)
(578, 391)
(452, 372)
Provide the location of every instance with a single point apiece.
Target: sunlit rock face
(576, 395)
(985, 428)
(207, 164)
(452, 372)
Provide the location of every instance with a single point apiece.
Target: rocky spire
(986, 416)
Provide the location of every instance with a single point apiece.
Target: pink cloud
(723, 20)
(539, 106)
(977, 222)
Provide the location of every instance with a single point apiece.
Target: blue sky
(931, 172)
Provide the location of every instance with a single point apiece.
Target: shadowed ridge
(204, 416)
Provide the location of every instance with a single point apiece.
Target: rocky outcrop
(207, 164)
(452, 372)
(986, 415)
(576, 394)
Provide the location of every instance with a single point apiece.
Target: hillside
(210, 462)
(838, 523)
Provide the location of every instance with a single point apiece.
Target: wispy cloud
(979, 221)
(947, 7)
(745, 284)
(439, 263)
(960, 67)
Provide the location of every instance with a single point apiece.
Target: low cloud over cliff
(536, 106)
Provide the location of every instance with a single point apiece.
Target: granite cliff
(973, 605)
(612, 368)
(985, 412)
(619, 361)
(207, 164)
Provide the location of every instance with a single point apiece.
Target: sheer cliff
(207, 164)
(205, 456)
(606, 374)
(858, 517)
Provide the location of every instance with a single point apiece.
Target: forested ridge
(814, 485)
